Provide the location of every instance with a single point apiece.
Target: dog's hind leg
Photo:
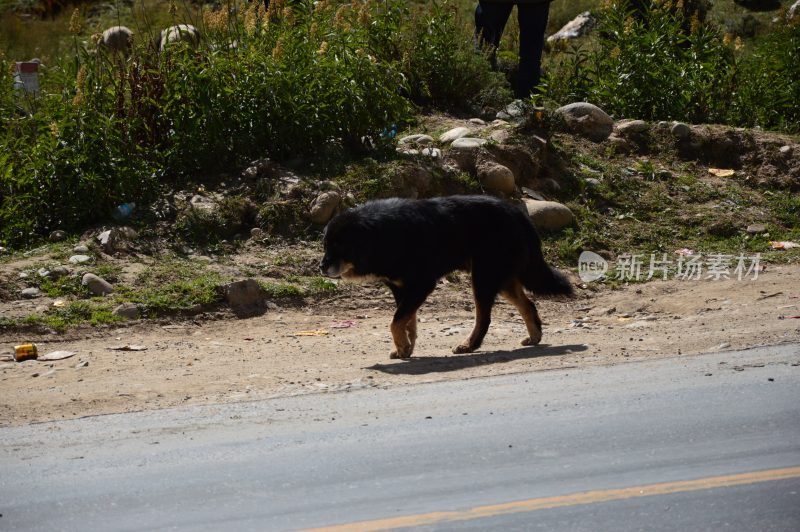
(404, 325)
(484, 288)
(516, 296)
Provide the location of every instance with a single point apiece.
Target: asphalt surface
(686, 443)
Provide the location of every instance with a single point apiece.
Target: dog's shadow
(423, 365)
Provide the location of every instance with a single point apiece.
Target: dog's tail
(539, 277)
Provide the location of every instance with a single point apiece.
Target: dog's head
(343, 244)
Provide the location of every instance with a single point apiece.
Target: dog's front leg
(404, 325)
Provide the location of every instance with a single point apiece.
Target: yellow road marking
(586, 497)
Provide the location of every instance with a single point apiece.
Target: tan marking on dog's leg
(402, 345)
(412, 330)
(482, 320)
(516, 296)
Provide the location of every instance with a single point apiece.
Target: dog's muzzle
(328, 268)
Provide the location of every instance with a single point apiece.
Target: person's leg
(490, 21)
(532, 25)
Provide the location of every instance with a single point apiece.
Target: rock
(515, 109)
(129, 311)
(256, 233)
(592, 182)
(500, 136)
(246, 298)
(496, 178)
(620, 144)
(58, 272)
(324, 207)
(786, 151)
(468, 143)
(57, 236)
(81, 248)
(80, 259)
(577, 27)
(498, 123)
(453, 134)
(107, 240)
(680, 130)
(463, 153)
(631, 127)
(23, 275)
(550, 184)
(549, 215)
(477, 122)
(116, 238)
(756, 229)
(433, 153)
(30, 293)
(96, 285)
(416, 139)
(587, 120)
(793, 11)
(203, 204)
(524, 160)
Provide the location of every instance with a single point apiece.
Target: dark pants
(490, 20)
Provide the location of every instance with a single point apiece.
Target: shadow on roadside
(423, 365)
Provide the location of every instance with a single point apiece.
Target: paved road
(688, 443)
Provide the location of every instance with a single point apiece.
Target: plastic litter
(784, 244)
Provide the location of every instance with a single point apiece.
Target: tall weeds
(108, 129)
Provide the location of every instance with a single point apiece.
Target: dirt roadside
(242, 360)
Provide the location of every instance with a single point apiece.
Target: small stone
(680, 130)
(549, 215)
(80, 259)
(416, 139)
(453, 134)
(498, 123)
(500, 136)
(785, 151)
(96, 285)
(592, 182)
(631, 127)
(58, 272)
(468, 143)
(324, 207)
(23, 275)
(30, 293)
(129, 311)
(84, 364)
(477, 122)
(755, 229)
(433, 153)
(619, 143)
(81, 249)
(256, 233)
(58, 235)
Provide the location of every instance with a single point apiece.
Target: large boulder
(496, 178)
(587, 120)
(549, 215)
(96, 285)
(324, 207)
(246, 298)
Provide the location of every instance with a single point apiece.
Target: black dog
(411, 244)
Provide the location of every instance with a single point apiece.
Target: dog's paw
(463, 348)
(532, 341)
(402, 352)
